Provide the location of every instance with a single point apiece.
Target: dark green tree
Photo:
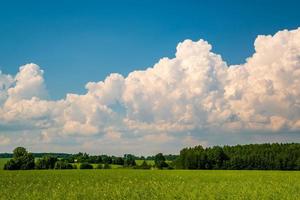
(21, 160)
(62, 165)
(11, 165)
(129, 160)
(253, 156)
(106, 166)
(160, 161)
(99, 166)
(118, 161)
(46, 162)
(86, 166)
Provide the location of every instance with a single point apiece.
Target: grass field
(148, 184)
(2, 162)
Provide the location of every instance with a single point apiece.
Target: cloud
(264, 92)
(29, 83)
(180, 100)
(4, 140)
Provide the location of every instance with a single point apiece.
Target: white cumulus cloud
(187, 97)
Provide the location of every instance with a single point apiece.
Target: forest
(239, 157)
(253, 156)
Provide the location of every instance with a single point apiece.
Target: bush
(11, 165)
(86, 166)
(162, 165)
(99, 166)
(106, 166)
(62, 165)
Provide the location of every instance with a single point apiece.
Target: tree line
(38, 155)
(23, 160)
(254, 156)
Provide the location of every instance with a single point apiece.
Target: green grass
(2, 162)
(148, 184)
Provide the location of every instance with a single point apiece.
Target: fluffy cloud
(182, 98)
(264, 92)
(29, 82)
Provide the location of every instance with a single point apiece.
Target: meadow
(2, 162)
(149, 184)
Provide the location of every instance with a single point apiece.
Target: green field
(2, 162)
(148, 184)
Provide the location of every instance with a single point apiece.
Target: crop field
(149, 184)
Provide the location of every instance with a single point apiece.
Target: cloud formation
(179, 100)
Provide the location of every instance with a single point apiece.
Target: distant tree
(129, 160)
(160, 161)
(216, 156)
(253, 156)
(11, 165)
(46, 162)
(95, 159)
(118, 161)
(19, 152)
(86, 166)
(171, 157)
(6, 155)
(80, 157)
(26, 162)
(21, 160)
(62, 165)
(106, 159)
(106, 166)
(99, 166)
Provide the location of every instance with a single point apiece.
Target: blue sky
(75, 42)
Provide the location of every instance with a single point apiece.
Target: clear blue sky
(79, 41)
